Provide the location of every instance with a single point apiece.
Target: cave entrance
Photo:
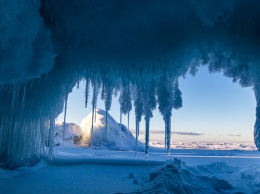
(215, 110)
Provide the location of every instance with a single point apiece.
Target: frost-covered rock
(73, 134)
(117, 138)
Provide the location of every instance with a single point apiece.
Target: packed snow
(82, 170)
(73, 134)
(218, 177)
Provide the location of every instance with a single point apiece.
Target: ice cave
(135, 48)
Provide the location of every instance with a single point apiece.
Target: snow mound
(218, 177)
(116, 139)
(73, 134)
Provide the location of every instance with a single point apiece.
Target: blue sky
(213, 105)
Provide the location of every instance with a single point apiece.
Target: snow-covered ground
(112, 166)
(82, 170)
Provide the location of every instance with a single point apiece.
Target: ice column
(257, 122)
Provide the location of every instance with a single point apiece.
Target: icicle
(24, 92)
(125, 100)
(96, 113)
(94, 104)
(92, 126)
(108, 102)
(86, 92)
(165, 135)
(51, 133)
(147, 123)
(136, 136)
(103, 93)
(169, 135)
(15, 97)
(138, 128)
(78, 82)
(65, 113)
(167, 120)
(106, 124)
(128, 120)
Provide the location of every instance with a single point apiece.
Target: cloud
(187, 133)
(173, 132)
(234, 135)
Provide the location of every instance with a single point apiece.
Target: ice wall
(28, 111)
(25, 45)
(257, 122)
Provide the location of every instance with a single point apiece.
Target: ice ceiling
(135, 47)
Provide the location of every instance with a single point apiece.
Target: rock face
(116, 139)
(73, 134)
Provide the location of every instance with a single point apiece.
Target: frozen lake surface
(82, 170)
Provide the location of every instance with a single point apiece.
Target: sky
(214, 110)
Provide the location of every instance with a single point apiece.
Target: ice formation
(135, 48)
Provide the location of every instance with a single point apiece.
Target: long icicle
(93, 108)
(138, 129)
(78, 81)
(51, 133)
(86, 92)
(165, 135)
(95, 112)
(128, 120)
(136, 136)
(169, 135)
(92, 126)
(147, 123)
(106, 126)
(65, 113)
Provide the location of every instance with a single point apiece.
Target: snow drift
(73, 134)
(218, 177)
(117, 138)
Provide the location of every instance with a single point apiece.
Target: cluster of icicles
(145, 91)
(28, 110)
